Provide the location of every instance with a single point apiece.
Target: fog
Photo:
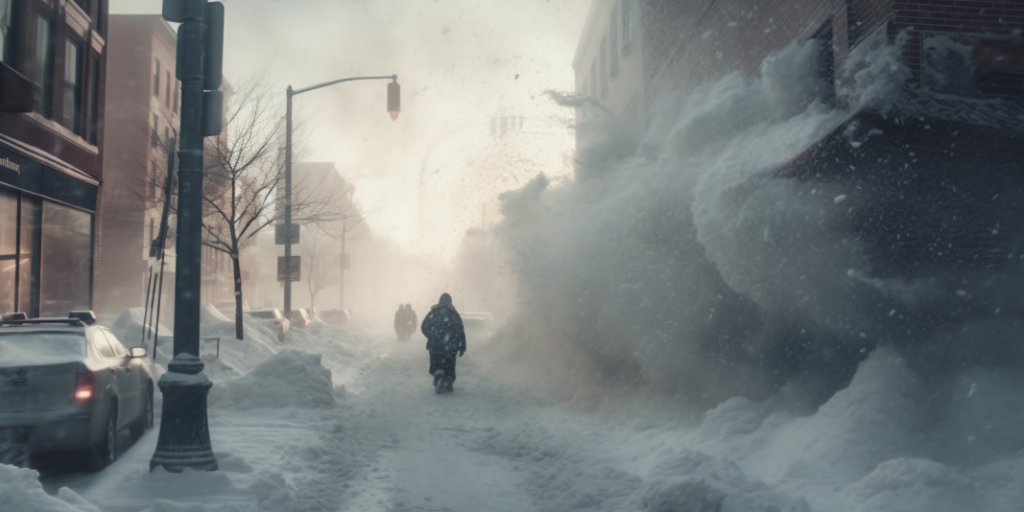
(681, 263)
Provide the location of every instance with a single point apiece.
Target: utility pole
(344, 263)
(184, 440)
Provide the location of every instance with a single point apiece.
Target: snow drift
(289, 378)
(692, 267)
(20, 490)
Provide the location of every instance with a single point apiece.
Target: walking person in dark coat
(445, 337)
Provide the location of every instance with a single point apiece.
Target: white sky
(457, 61)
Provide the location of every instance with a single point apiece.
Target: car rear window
(474, 323)
(261, 314)
(40, 348)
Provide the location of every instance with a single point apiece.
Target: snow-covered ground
(360, 428)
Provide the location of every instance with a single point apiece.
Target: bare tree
(244, 172)
(318, 269)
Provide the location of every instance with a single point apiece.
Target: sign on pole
(280, 237)
(295, 270)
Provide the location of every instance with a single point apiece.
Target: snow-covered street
(375, 437)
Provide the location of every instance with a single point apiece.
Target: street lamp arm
(350, 79)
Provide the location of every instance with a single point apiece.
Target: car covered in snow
(272, 319)
(477, 326)
(67, 384)
(301, 318)
(227, 307)
(335, 316)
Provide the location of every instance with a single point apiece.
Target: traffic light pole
(184, 440)
(393, 108)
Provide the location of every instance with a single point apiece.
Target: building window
(176, 92)
(627, 26)
(151, 189)
(167, 102)
(73, 87)
(156, 130)
(28, 257)
(613, 36)
(95, 13)
(94, 101)
(603, 71)
(7, 30)
(66, 265)
(156, 77)
(43, 64)
(8, 249)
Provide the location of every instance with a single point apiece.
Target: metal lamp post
(394, 108)
(184, 440)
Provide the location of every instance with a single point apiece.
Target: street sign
(295, 270)
(280, 237)
(346, 261)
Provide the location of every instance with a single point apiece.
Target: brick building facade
(140, 122)
(51, 152)
(143, 117)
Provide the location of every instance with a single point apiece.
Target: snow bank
(289, 378)
(21, 491)
(711, 485)
(129, 330)
(235, 487)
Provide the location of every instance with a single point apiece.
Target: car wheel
(145, 420)
(105, 453)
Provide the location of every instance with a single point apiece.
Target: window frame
(156, 77)
(44, 61)
(72, 92)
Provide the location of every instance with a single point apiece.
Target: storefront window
(8, 248)
(28, 262)
(65, 282)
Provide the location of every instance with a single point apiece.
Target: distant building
(51, 153)
(320, 191)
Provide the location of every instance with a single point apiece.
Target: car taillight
(85, 384)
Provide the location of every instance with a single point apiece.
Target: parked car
(227, 308)
(477, 326)
(272, 319)
(336, 316)
(301, 318)
(68, 384)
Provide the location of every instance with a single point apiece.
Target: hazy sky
(457, 61)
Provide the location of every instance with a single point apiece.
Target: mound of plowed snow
(20, 490)
(289, 378)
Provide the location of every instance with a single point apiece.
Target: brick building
(143, 113)
(946, 174)
(51, 152)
